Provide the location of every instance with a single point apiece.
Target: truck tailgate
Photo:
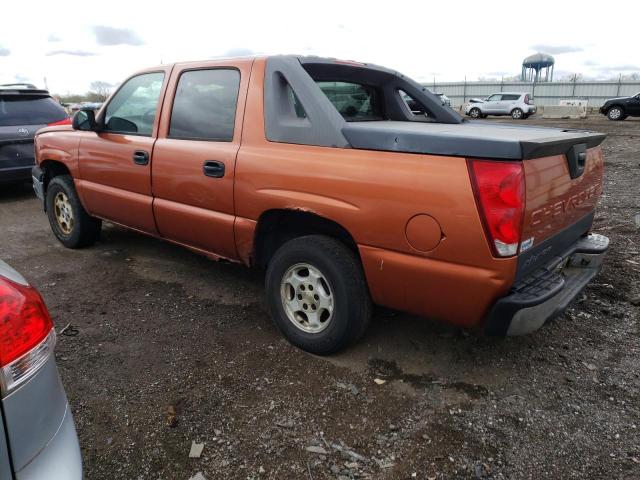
(559, 208)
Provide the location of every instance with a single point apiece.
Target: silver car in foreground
(38, 439)
(517, 104)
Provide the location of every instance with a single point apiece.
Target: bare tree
(99, 91)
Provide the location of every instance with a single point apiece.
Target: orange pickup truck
(349, 183)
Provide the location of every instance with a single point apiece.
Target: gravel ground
(172, 348)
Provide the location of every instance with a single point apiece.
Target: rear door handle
(213, 168)
(140, 157)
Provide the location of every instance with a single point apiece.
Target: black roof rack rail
(25, 85)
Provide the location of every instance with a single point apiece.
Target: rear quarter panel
(373, 195)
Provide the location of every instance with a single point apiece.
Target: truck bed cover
(478, 139)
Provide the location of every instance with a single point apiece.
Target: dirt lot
(173, 348)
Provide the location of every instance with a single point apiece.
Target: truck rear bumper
(549, 291)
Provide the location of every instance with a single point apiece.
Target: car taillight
(499, 191)
(27, 337)
(64, 121)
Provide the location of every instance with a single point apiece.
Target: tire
(475, 113)
(342, 300)
(70, 222)
(517, 114)
(616, 114)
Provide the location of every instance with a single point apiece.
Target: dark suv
(23, 110)
(621, 107)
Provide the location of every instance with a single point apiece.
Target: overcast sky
(75, 43)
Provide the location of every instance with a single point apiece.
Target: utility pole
(464, 91)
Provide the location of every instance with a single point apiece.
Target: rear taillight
(27, 337)
(527, 100)
(499, 191)
(64, 121)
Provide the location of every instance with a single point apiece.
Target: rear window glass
(510, 97)
(355, 101)
(205, 105)
(22, 110)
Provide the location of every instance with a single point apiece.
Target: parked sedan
(621, 107)
(517, 104)
(37, 436)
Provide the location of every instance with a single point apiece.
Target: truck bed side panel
(373, 195)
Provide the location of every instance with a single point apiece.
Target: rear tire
(70, 222)
(475, 113)
(616, 114)
(517, 114)
(317, 294)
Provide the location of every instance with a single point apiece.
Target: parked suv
(37, 437)
(320, 172)
(518, 105)
(621, 107)
(23, 110)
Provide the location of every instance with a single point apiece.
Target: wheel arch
(52, 169)
(277, 226)
(619, 105)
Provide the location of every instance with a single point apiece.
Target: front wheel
(615, 114)
(70, 222)
(317, 294)
(517, 114)
(475, 113)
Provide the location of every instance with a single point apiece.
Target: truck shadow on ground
(396, 346)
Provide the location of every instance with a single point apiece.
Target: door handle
(140, 157)
(213, 168)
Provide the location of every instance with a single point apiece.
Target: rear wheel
(517, 114)
(616, 113)
(317, 294)
(475, 113)
(70, 222)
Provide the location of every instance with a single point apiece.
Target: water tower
(538, 68)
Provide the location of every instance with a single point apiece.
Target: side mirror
(84, 119)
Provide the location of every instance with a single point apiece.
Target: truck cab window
(204, 107)
(133, 108)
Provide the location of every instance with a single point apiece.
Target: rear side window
(355, 101)
(205, 105)
(25, 110)
(510, 97)
(133, 108)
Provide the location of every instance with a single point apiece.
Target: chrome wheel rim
(475, 113)
(516, 114)
(63, 212)
(614, 113)
(307, 298)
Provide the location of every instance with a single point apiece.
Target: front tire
(475, 113)
(517, 114)
(70, 222)
(317, 294)
(616, 114)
